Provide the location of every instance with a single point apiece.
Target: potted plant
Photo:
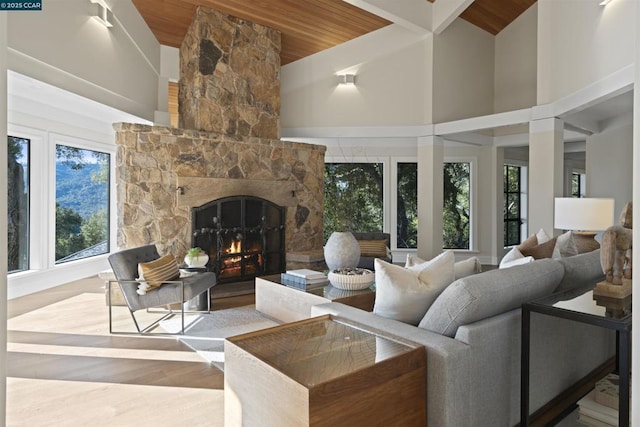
(196, 257)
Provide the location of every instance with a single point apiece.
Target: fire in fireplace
(243, 236)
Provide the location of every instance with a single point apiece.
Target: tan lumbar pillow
(153, 273)
(373, 248)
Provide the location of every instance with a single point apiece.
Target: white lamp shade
(585, 214)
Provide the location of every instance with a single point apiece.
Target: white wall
(393, 72)
(463, 68)
(515, 63)
(609, 166)
(63, 46)
(581, 42)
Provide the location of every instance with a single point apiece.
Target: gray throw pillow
(483, 295)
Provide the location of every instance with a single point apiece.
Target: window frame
(519, 193)
(42, 199)
(60, 139)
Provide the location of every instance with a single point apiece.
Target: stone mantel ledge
(196, 134)
(195, 191)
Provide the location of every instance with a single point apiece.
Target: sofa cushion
(580, 271)
(406, 294)
(477, 297)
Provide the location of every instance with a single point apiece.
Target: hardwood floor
(64, 368)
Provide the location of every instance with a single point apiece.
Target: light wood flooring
(65, 369)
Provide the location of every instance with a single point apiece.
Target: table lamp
(584, 217)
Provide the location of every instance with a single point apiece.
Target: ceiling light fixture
(102, 13)
(348, 79)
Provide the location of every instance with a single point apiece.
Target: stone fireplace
(226, 150)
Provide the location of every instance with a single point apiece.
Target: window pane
(407, 205)
(18, 204)
(513, 206)
(575, 185)
(352, 197)
(457, 205)
(512, 198)
(511, 233)
(82, 203)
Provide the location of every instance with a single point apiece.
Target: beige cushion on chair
(373, 248)
(154, 273)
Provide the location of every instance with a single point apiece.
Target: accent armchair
(125, 269)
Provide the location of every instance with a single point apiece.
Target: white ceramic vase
(196, 261)
(341, 251)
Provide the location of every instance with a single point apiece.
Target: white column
(497, 203)
(430, 195)
(3, 214)
(546, 171)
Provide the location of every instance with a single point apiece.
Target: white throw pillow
(565, 246)
(542, 236)
(519, 261)
(438, 272)
(513, 255)
(467, 267)
(406, 294)
(461, 269)
(413, 260)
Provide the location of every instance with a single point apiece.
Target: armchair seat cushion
(171, 292)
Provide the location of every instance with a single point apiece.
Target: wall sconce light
(102, 13)
(605, 2)
(348, 79)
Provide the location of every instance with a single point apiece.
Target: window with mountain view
(18, 204)
(82, 203)
(457, 205)
(353, 197)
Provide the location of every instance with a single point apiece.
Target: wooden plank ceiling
(307, 26)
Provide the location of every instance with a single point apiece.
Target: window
(18, 204)
(512, 205)
(353, 197)
(407, 205)
(457, 205)
(58, 203)
(578, 184)
(82, 203)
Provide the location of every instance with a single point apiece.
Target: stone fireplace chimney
(227, 145)
(230, 76)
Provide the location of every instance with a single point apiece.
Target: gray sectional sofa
(472, 338)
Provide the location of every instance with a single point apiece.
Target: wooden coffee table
(323, 371)
(289, 304)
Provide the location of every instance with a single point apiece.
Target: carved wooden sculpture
(616, 247)
(614, 293)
